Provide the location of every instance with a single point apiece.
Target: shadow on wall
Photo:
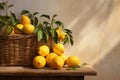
(96, 11)
(108, 67)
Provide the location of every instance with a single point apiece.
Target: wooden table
(28, 73)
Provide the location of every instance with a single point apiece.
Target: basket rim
(16, 36)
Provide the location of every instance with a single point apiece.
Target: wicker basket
(17, 50)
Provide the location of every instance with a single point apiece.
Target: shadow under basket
(17, 50)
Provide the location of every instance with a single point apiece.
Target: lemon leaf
(46, 16)
(10, 6)
(35, 21)
(39, 35)
(35, 13)
(1, 7)
(67, 30)
(71, 41)
(59, 23)
(24, 12)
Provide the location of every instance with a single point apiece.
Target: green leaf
(46, 16)
(35, 13)
(54, 15)
(59, 23)
(65, 40)
(71, 41)
(46, 23)
(35, 21)
(24, 12)
(84, 64)
(67, 30)
(9, 29)
(13, 19)
(55, 36)
(39, 35)
(2, 3)
(1, 7)
(30, 16)
(36, 29)
(10, 6)
(45, 35)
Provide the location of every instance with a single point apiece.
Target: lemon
(39, 62)
(58, 32)
(12, 32)
(58, 62)
(49, 59)
(58, 48)
(19, 26)
(9, 28)
(28, 29)
(64, 57)
(43, 50)
(25, 20)
(73, 61)
(62, 36)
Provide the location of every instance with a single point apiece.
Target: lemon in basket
(19, 30)
(43, 50)
(59, 32)
(39, 62)
(62, 36)
(73, 61)
(58, 48)
(28, 29)
(25, 19)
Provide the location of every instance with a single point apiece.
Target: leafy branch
(47, 28)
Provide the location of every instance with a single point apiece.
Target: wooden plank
(29, 71)
(41, 78)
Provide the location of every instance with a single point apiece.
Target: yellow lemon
(19, 26)
(12, 32)
(64, 57)
(49, 59)
(39, 62)
(28, 29)
(9, 28)
(43, 50)
(25, 20)
(73, 61)
(58, 62)
(62, 36)
(58, 32)
(58, 48)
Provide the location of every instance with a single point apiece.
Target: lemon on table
(64, 57)
(49, 59)
(25, 20)
(39, 62)
(19, 26)
(58, 62)
(58, 48)
(28, 29)
(73, 61)
(43, 50)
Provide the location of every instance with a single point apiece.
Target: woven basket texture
(17, 50)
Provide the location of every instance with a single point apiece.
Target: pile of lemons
(24, 27)
(56, 59)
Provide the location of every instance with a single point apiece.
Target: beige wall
(96, 30)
